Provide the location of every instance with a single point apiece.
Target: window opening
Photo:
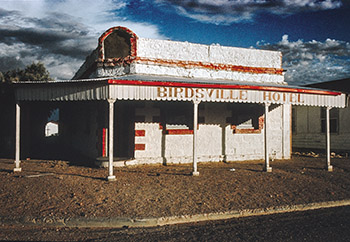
(333, 119)
(52, 126)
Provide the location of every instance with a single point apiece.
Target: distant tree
(13, 76)
(33, 72)
(36, 72)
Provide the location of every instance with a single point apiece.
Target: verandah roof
(160, 88)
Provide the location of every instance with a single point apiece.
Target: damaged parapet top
(121, 52)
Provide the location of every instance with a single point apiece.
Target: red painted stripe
(246, 131)
(220, 86)
(140, 133)
(140, 146)
(179, 131)
(213, 66)
(104, 150)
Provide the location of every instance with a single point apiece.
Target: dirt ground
(56, 188)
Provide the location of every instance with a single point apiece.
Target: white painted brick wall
(171, 50)
(152, 49)
(184, 51)
(149, 69)
(245, 57)
(210, 140)
(152, 139)
(178, 148)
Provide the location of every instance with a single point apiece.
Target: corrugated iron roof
(228, 83)
(172, 79)
(98, 80)
(145, 87)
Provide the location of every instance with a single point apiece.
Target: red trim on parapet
(213, 66)
(220, 86)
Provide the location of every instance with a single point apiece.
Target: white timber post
(328, 140)
(267, 167)
(18, 137)
(111, 177)
(195, 125)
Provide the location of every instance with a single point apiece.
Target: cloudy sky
(314, 35)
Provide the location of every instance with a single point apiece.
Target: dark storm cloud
(4, 13)
(53, 34)
(59, 33)
(313, 61)
(10, 63)
(32, 36)
(57, 39)
(61, 42)
(229, 11)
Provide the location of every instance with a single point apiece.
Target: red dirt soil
(56, 188)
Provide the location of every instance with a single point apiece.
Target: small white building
(309, 123)
(176, 102)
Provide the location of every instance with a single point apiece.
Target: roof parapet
(120, 52)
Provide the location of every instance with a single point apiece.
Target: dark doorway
(124, 129)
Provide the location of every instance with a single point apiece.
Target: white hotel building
(141, 101)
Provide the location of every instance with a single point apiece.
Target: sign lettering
(228, 94)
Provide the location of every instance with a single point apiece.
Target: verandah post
(267, 167)
(195, 125)
(328, 140)
(18, 136)
(111, 177)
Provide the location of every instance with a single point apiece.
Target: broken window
(245, 115)
(177, 116)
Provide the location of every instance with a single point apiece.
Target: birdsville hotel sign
(180, 93)
(159, 101)
(223, 95)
